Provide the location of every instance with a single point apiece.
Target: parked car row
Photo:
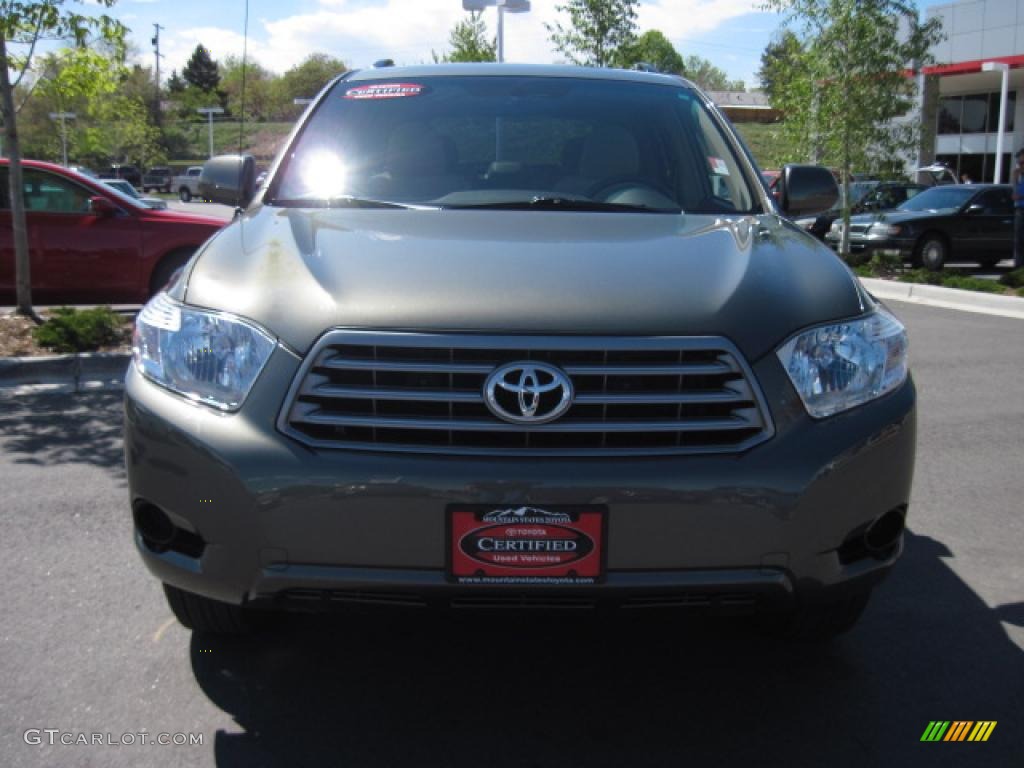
(972, 222)
(90, 242)
(865, 197)
(122, 186)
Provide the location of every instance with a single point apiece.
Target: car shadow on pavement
(52, 429)
(523, 689)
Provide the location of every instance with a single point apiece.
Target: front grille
(412, 392)
(859, 229)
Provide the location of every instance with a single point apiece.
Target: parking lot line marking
(163, 628)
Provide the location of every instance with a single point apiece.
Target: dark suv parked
(496, 335)
(157, 179)
(129, 173)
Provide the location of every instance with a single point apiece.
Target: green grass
(948, 278)
(767, 143)
(259, 139)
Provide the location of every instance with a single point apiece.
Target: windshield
(937, 199)
(501, 142)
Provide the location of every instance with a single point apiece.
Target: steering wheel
(608, 187)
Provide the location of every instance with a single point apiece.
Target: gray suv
(493, 335)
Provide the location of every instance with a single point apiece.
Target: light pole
(511, 6)
(210, 112)
(998, 66)
(63, 117)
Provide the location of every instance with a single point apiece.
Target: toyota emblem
(528, 393)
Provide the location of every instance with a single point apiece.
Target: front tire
(202, 614)
(932, 253)
(165, 270)
(185, 195)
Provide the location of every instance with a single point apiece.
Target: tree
(470, 42)
(175, 83)
(201, 70)
(22, 25)
(779, 61)
(652, 47)
(258, 85)
(307, 79)
(850, 81)
(709, 77)
(598, 32)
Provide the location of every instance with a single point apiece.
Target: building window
(980, 168)
(949, 114)
(993, 110)
(974, 113)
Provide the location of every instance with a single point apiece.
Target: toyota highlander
(495, 335)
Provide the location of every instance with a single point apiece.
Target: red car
(91, 244)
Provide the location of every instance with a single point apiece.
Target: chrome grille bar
(423, 392)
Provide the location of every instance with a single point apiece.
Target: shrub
(72, 330)
(951, 279)
(1013, 279)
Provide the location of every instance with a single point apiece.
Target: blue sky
(731, 33)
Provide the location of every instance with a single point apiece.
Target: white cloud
(408, 30)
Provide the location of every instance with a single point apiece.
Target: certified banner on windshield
(526, 545)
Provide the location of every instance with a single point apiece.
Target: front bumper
(903, 249)
(280, 520)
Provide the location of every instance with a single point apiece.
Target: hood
(898, 217)
(165, 214)
(298, 272)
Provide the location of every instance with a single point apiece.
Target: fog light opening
(155, 526)
(883, 534)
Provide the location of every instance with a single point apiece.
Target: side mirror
(101, 206)
(974, 209)
(229, 180)
(806, 189)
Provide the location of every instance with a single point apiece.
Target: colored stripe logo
(958, 730)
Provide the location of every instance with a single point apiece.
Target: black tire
(205, 615)
(825, 621)
(165, 270)
(185, 195)
(932, 252)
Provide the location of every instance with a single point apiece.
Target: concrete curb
(65, 373)
(947, 298)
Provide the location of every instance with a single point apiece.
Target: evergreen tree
(175, 83)
(201, 70)
(470, 42)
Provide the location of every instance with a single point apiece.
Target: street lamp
(210, 112)
(511, 6)
(63, 117)
(998, 66)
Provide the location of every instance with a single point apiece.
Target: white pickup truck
(187, 184)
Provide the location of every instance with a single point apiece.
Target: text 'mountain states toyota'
(491, 335)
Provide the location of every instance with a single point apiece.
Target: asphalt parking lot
(88, 644)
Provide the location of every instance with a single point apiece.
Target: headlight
(805, 223)
(837, 367)
(881, 229)
(210, 357)
(837, 226)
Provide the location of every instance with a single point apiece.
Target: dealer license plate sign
(526, 545)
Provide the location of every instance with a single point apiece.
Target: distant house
(745, 106)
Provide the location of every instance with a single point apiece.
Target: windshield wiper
(544, 203)
(341, 201)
